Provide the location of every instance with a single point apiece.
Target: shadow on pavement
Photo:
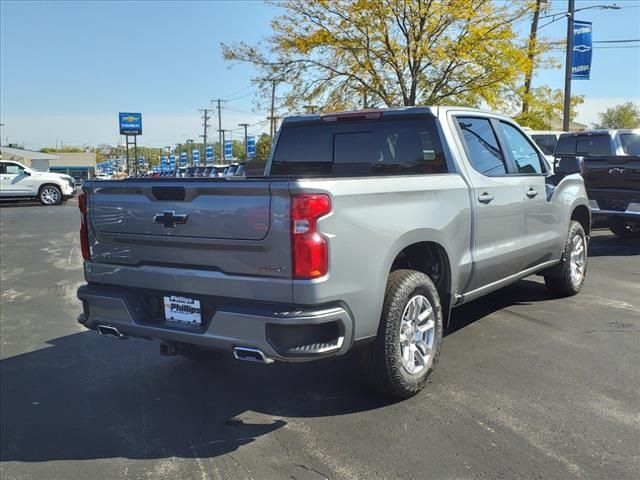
(85, 397)
(524, 292)
(612, 246)
(20, 203)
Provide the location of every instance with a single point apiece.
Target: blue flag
(581, 67)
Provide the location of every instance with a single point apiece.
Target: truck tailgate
(616, 173)
(218, 210)
(165, 232)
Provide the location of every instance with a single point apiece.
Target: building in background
(30, 158)
(78, 165)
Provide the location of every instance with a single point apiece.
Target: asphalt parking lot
(528, 387)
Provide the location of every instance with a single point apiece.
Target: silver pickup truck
(365, 230)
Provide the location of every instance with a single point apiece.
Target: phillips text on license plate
(182, 309)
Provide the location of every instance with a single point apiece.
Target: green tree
(625, 115)
(263, 147)
(238, 150)
(545, 106)
(62, 150)
(345, 53)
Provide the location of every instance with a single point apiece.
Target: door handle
(531, 193)
(485, 198)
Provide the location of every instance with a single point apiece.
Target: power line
(241, 96)
(238, 91)
(618, 41)
(240, 111)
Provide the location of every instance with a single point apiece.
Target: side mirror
(568, 166)
(26, 172)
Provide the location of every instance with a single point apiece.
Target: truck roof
(393, 111)
(602, 131)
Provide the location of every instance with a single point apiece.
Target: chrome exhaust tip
(248, 354)
(109, 331)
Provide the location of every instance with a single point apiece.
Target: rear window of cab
(360, 148)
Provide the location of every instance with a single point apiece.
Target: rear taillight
(84, 231)
(309, 249)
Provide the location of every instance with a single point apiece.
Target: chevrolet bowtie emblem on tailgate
(170, 218)
(617, 170)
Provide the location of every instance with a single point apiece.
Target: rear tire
(407, 347)
(624, 229)
(50, 195)
(567, 278)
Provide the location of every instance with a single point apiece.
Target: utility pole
(2, 125)
(533, 37)
(568, 66)
(220, 133)
(246, 148)
(190, 142)
(272, 126)
(205, 125)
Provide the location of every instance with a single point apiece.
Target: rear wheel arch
(582, 215)
(432, 259)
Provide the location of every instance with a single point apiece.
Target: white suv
(19, 181)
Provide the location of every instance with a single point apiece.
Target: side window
(630, 143)
(3, 168)
(524, 155)
(13, 169)
(547, 143)
(566, 146)
(482, 145)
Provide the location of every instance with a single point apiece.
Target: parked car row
(200, 171)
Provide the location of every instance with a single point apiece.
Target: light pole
(567, 67)
(570, 14)
(246, 147)
(1, 125)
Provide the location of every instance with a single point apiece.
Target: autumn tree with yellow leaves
(339, 54)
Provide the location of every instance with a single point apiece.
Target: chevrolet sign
(130, 123)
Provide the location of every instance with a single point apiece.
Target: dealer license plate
(182, 310)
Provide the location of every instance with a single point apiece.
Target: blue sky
(67, 68)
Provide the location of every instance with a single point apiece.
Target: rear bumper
(281, 332)
(631, 212)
